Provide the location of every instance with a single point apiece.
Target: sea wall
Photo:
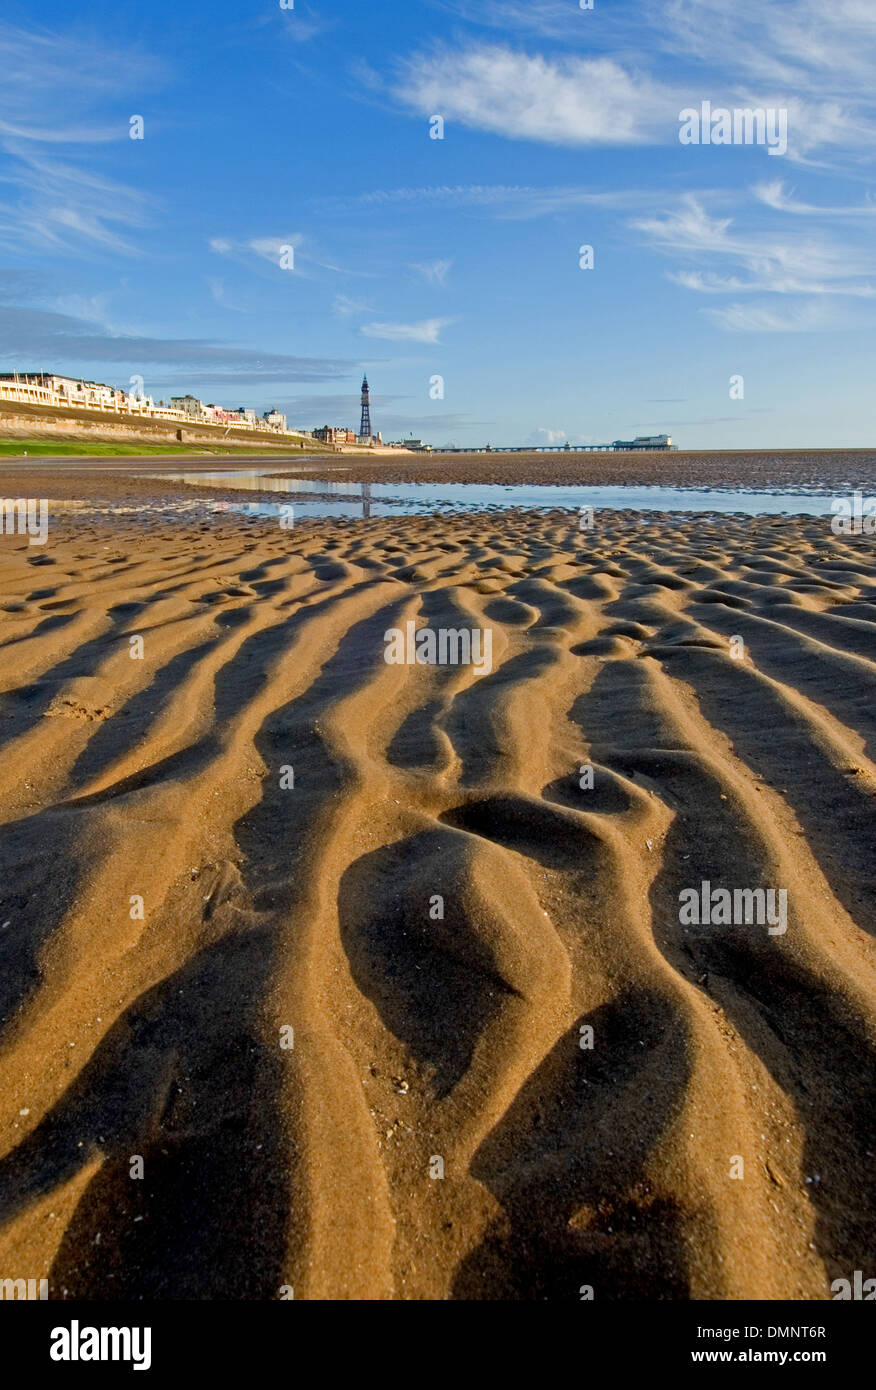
(33, 422)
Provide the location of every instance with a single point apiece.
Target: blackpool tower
(365, 426)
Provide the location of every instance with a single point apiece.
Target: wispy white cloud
(732, 284)
(60, 95)
(547, 435)
(284, 253)
(53, 80)
(64, 134)
(775, 195)
(762, 318)
(219, 294)
(60, 206)
(426, 331)
(293, 253)
(302, 23)
(276, 249)
(798, 263)
(786, 41)
(346, 308)
(503, 201)
(435, 272)
(522, 96)
(561, 19)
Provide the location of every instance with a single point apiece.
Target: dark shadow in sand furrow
(55, 623)
(129, 728)
(240, 681)
(833, 805)
(842, 684)
(185, 1080)
(568, 1162)
(38, 889)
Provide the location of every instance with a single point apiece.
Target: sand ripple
(421, 1037)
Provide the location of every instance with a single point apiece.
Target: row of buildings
(338, 434)
(45, 388)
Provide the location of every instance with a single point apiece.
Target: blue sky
(415, 257)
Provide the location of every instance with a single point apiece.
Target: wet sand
(822, 470)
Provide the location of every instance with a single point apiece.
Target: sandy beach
(379, 969)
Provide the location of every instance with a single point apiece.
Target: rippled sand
(312, 906)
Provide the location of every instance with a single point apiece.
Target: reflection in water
(326, 498)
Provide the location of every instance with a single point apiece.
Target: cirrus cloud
(560, 101)
(426, 331)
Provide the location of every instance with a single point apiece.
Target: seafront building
(335, 434)
(59, 392)
(415, 446)
(645, 441)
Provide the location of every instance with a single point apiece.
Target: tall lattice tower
(365, 427)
